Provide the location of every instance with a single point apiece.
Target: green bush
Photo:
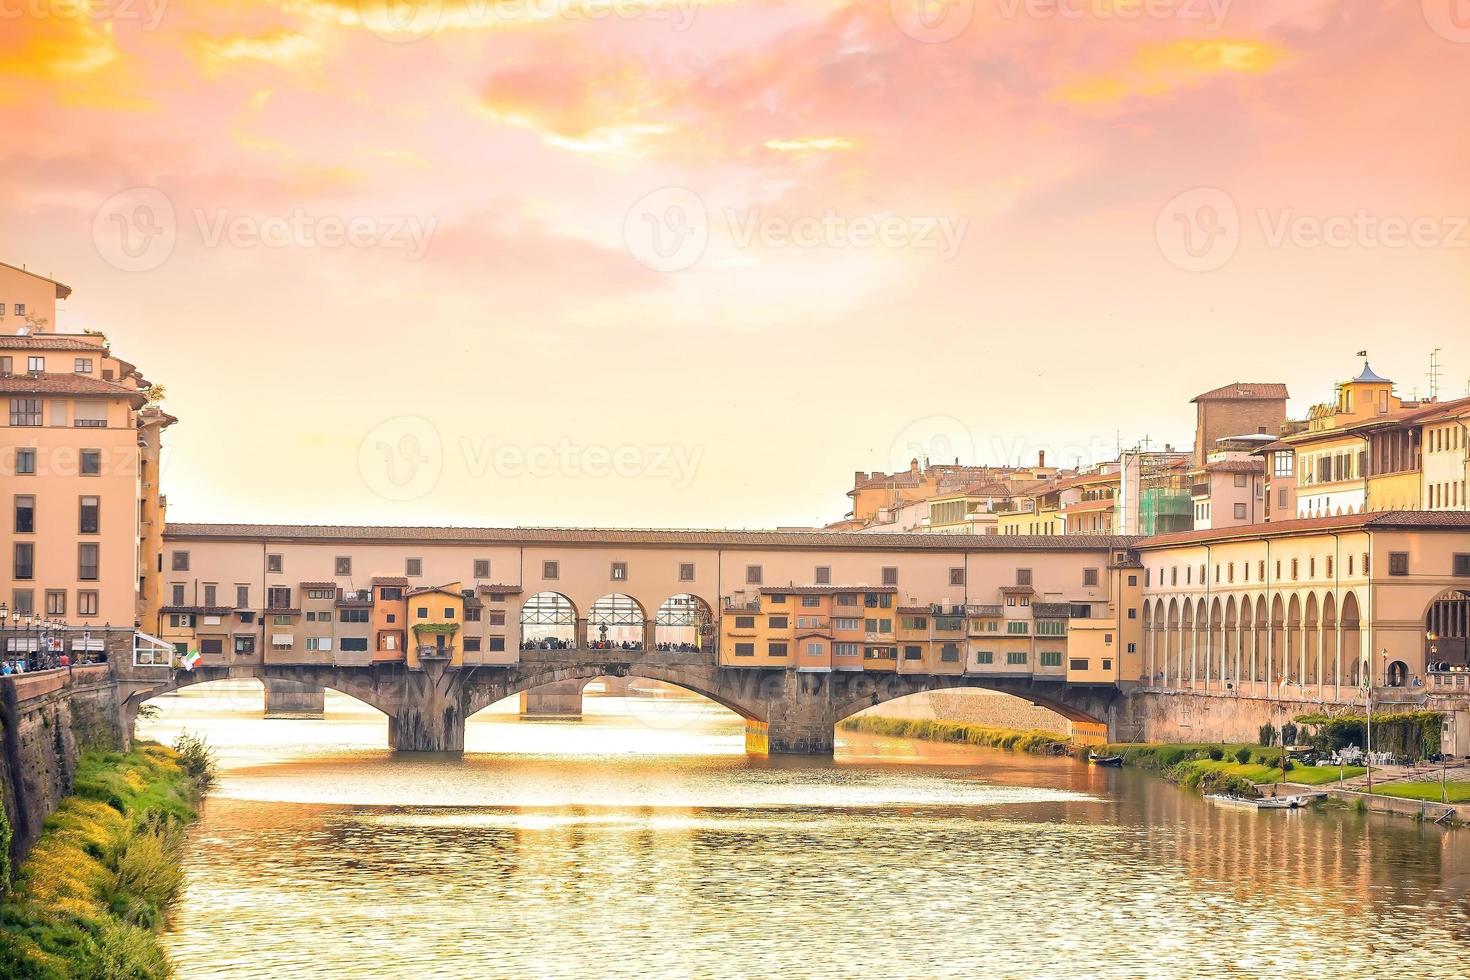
(1216, 753)
(1243, 756)
(1267, 734)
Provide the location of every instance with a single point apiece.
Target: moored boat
(1104, 760)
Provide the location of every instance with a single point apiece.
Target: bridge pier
(801, 717)
(561, 701)
(293, 699)
(431, 713)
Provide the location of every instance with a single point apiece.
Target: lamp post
(4, 624)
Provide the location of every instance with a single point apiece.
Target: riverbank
(100, 884)
(1034, 741)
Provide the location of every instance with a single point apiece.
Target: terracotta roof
(1090, 506)
(1016, 590)
(44, 341)
(68, 384)
(198, 610)
(1244, 391)
(441, 589)
(319, 585)
(62, 290)
(652, 538)
(1447, 520)
(389, 580)
(1236, 466)
(823, 589)
(280, 612)
(347, 603)
(495, 588)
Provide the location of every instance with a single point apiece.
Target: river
(643, 842)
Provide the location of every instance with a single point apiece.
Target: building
(895, 499)
(1237, 409)
(80, 467)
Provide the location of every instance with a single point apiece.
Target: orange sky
(658, 262)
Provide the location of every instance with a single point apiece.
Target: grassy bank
(1455, 792)
(102, 880)
(1041, 743)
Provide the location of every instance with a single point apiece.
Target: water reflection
(616, 848)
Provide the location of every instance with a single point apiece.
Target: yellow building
(435, 623)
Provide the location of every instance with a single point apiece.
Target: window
(472, 614)
(176, 594)
(1023, 576)
(1240, 512)
(1016, 627)
(814, 648)
(844, 649)
(422, 612)
(778, 622)
(1089, 577)
(985, 656)
(319, 644)
(1015, 657)
(352, 615)
(497, 644)
(1296, 567)
(1051, 627)
(822, 575)
(752, 575)
(278, 597)
(25, 515)
(25, 411)
(915, 622)
(448, 612)
(482, 568)
(913, 653)
(949, 653)
(847, 623)
(87, 602)
(22, 602)
(210, 593)
(1051, 658)
(890, 575)
(354, 644)
(25, 560)
(90, 462)
(245, 644)
(20, 309)
(82, 365)
(879, 626)
(1075, 664)
(471, 644)
(550, 569)
(1132, 613)
(745, 649)
(620, 571)
(497, 617)
(778, 599)
(179, 561)
(1462, 566)
(274, 564)
(342, 565)
(956, 576)
(34, 363)
(242, 596)
(89, 517)
(686, 571)
(88, 557)
(1398, 563)
(55, 602)
(745, 622)
(413, 567)
(25, 462)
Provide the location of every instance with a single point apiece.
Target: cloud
(1159, 68)
(279, 47)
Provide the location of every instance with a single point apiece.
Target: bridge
(786, 712)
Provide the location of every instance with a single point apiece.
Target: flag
(1362, 353)
(190, 659)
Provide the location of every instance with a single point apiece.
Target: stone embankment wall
(48, 718)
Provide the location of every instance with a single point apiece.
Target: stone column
(561, 701)
(293, 699)
(432, 713)
(801, 715)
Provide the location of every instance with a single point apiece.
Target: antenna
(1434, 373)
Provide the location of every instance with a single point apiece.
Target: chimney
(1040, 458)
(914, 465)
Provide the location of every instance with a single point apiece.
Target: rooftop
(1245, 391)
(311, 533)
(62, 290)
(1422, 520)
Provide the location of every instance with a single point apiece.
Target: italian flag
(190, 659)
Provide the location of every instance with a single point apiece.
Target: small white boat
(1264, 803)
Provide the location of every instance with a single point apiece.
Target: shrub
(1243, 756)
(197, 759)
(1267, 734)
(1288, 733)
(1217, 753)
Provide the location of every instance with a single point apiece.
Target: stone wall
(1195, 716)
(47, 719)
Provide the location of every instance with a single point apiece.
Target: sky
(667, 263)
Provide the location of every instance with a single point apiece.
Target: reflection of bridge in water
(784, 711)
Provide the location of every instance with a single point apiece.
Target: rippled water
(643, 842)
